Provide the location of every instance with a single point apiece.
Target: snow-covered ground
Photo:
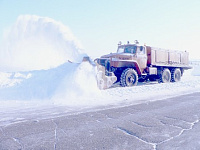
(26, 86)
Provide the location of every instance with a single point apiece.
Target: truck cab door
(142, 57)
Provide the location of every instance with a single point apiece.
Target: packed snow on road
(41, 68)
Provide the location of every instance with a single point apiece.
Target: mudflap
(104, 81)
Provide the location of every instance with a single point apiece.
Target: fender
(127, 64)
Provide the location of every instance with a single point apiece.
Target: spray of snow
(79, 88)
(45, 46)
(35, 43)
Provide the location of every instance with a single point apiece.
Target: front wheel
(129, 77)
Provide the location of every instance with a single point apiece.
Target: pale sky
(101, 24)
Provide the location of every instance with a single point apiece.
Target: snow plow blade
(104, 81)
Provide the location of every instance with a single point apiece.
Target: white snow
(36, 75)
(35, 43)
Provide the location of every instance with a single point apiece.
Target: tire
(175, 75)
(129, 77)
(165, 76)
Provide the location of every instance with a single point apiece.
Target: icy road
(161, 125)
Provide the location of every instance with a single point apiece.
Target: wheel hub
(131, 79)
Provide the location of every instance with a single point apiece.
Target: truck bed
(169, 58)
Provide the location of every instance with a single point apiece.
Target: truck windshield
(127, 49)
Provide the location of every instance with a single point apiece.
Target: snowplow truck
(132, 63)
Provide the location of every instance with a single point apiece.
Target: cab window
(130, 49)
(141, 50)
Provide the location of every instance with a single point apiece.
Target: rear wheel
(129, 77)
(165, 76)
(175, 75)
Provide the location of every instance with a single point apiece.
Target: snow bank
(66, 84)
(35, 43)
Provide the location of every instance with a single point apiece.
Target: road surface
(159, 125)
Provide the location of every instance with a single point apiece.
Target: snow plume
(35, 43)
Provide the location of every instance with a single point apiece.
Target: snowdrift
(64, 83)
(35, 43)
